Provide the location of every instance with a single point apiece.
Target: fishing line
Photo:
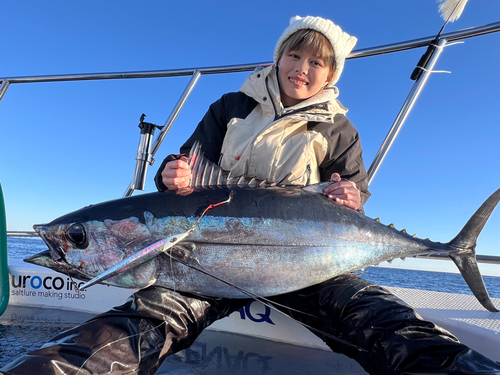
(272, 305)
(73, 282)
(112, 342)
(191, 230)
(171, 256)
(172, 268)
(118, 340)
(200, 268)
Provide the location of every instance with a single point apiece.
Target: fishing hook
(150, 251)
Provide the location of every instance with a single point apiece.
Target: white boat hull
(460, 314)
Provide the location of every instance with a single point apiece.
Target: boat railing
(147, 148)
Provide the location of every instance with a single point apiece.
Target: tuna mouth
(45, 259)
(56, 252)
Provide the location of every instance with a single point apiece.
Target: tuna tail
(465, 250)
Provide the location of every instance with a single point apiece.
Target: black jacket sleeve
(344, 155)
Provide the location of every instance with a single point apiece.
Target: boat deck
(240, 344)
(24, 329)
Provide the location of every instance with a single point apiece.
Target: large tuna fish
(262, 241)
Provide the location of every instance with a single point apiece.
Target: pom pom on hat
(342, 42)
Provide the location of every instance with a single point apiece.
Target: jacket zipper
(309, 172)
(271, 98)
(322, 105)
(304, 110)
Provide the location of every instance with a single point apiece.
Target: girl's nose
(301, 68)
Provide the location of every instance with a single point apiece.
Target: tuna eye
(77, 235)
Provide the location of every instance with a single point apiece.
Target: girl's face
(301, 74)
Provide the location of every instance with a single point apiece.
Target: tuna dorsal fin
(208, 175)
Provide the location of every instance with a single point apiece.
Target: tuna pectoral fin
(465, 256)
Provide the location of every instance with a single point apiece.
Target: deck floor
(23, 329)
(26, 328)
(222, 353)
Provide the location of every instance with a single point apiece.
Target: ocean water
(21, 247)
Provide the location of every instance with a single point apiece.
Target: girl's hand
(343, 192)
(176, 174)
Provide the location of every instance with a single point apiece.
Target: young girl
(285, 124)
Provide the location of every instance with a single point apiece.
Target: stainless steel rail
(145, 157)
(489, 259)
(424, 42)
(3, 87)
(143, 162)
(403, 113)
(364, 52)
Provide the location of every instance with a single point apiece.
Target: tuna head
(85, 249)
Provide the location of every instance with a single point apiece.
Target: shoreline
(22, 234)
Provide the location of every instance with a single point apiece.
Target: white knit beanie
(342, 42)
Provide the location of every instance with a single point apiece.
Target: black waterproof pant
(386, 336)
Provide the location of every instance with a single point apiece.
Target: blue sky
(67, 145)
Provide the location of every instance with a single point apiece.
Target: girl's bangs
(313, 41)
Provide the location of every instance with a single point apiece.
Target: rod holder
(144, 158)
